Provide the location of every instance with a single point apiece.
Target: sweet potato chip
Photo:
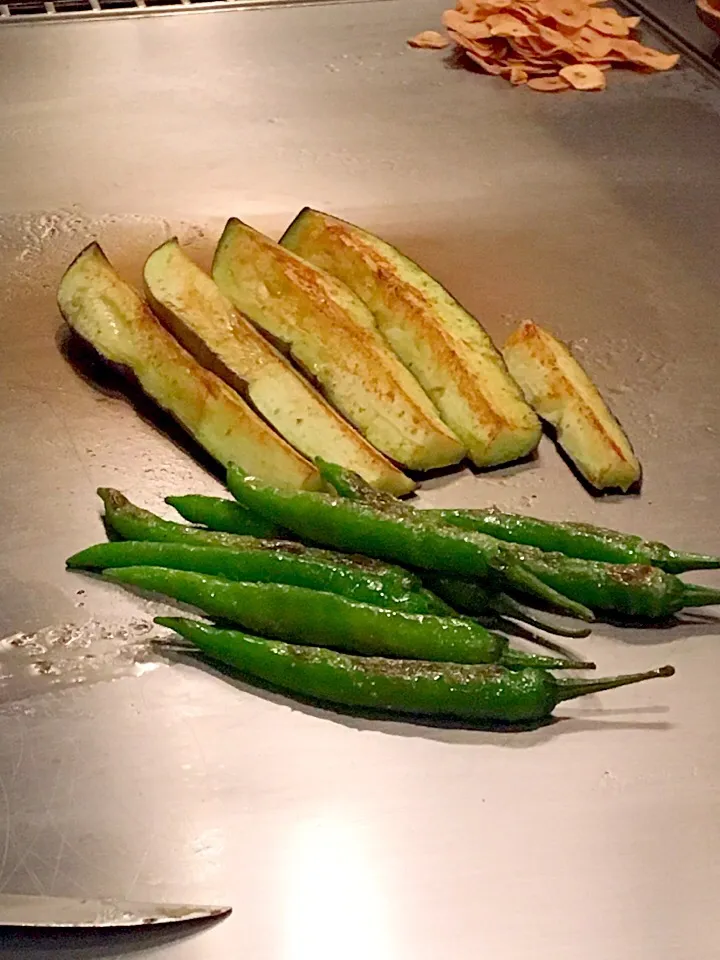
(608, 21)
(550, 45)
(567, 13)
(505, 25)
(488, 65)
(584, 76)
(592, 45)
(548, 84)
(518, 75)
(645, 56)
(468, 28)
(553, 40)
(478, 9)
(429, 40)
(481, 48)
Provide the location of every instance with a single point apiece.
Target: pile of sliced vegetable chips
(549, 45)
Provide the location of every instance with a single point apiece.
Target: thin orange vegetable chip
(518, 75)
(429, 40)
(468, 28)
(645, 56)
(608, 21)
(566, 13)
(584, 76)
(591, 45)
(505, 25)
(549, 84)
(547, 45)
(489, 65)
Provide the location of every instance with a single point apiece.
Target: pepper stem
(526, 581)
(696, 595)
(569, 689)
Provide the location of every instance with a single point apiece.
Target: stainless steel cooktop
(131, 776)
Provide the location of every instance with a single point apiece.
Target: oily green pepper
(307, 616)
(134, 523)
(466, 596)
(479, 694)
(351, 525)
(349, 484)
(582, 540)
(473, 600)
(631, 590)
(258, 563)
(226, 515)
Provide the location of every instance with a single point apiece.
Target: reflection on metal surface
(54, 658)
(336, 904)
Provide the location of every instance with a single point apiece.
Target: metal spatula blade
(34, 911)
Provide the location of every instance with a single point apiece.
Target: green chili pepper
(325, 619)
(135, 523)
(628, 589)
(352, 486)
(471, 599)
(489, 694)
(226, 515)
(582, 540)
(465, 596)
(351, 525)
(266, 562)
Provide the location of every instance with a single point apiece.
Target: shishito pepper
(131, 522)
(473, 600)
(631, 589)
(360, 577)
(218, 513)
(466, 596)
(634, 590)
(260, 562)
(491, 607)
(352, 525)
(477, 694)
(311, 617)
(582, 540)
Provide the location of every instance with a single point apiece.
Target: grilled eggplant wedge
(445, 348)
(332, 335)
(111, 316)
(563, 394)
(194, 310)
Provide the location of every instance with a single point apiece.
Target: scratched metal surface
(595, 837)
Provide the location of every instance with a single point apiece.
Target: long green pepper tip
(569, 689)
(520, 660)
(524, 580)
(679, 562)
(507, 606)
